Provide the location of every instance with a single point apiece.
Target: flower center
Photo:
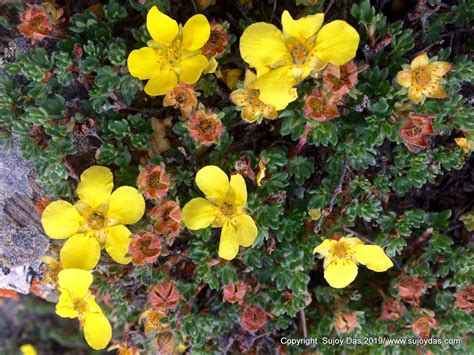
(253, 99)
(168, 55)
(341, 250)
(154, 180)
(206, 126)
(299, 54)
(227, 209)
(317, 105)
(37, 23)
(422, 76)
(96, 220)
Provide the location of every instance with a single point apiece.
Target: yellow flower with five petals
(224, 206)
(247, 100)
(96, 221)
(423, 78)
(342, 256)
(76, 301)
(284, 59)
(173, 54)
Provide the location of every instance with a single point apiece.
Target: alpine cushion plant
(94, 222)
(283, 59)
(223, 207)
(173, 54)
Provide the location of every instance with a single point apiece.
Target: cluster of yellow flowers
(94, 222)
(174, 58)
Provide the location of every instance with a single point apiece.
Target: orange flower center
(317, 105)
(299, 54)
(154, 180)
(422, 76)
(341, 250)
(96, 220)
(37, 23)
(253, 99)
(227, 209)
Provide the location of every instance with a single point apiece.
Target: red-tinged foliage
(164, 296)
(321, 106)
(205, 127)
(423, 326)
(340, 79)
(411, 288)
(145, 248)
(392, 310)
(345, 322)
(218, 41)
(465, 299)
(417, 130)
(167, 219)
(35, 23)
(154, 181)
(252, 318)
(235, 293)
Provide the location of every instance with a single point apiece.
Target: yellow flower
(466, 144)
(247, 99)
(224, 206)
(152, 321)
(173, 54)
(422, 78)
(96, 221)
(342, 256)
(284, 59)
(28, 349)
(76, 301)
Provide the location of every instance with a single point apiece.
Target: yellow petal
(439, 68)
(117, 243)
(196, 32)
(237, 183)
(65, 306)
(191, 68)
(351, 241)
(60, 220)
(435, 91)
(262, 44)
(276, 87)
(127, 205)
(373, 257)
(340, 273)
(199, 213)
(324, 247)
(246, 231)
(213, 182)
(420, 61)
(76, 281)
(404, 78)
(161, 83)
(28, 349)
(142, 63)
(80, 252)
(96, 185)
(162, 28)
(250, 78)
(337, 42)
(228, 244)
(97, 331)
(302, 28)
(415, 94)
